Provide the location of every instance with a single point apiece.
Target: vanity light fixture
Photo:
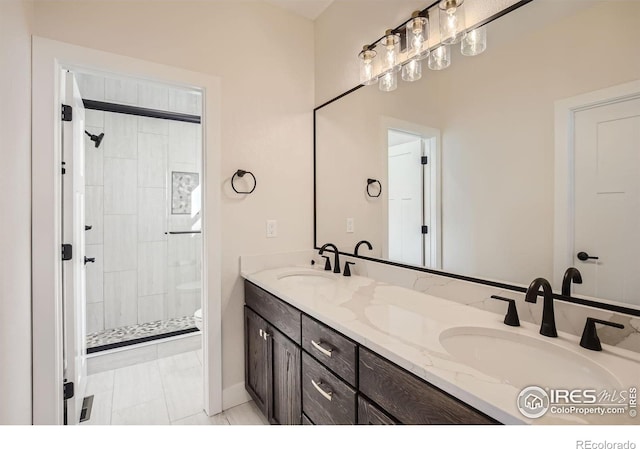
(403, 48)
(367, 66)
(452, 21)
(474, 42)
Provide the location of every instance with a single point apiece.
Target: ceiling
(310, 9)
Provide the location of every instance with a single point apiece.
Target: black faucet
(336, 260)
(548, 326)
(355, 251)
(572, 274)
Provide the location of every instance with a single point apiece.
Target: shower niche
(143, 185)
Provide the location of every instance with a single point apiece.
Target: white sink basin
(311, 278)
(522, 361)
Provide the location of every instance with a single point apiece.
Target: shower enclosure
(143, 203)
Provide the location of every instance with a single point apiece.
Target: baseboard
(234, 395)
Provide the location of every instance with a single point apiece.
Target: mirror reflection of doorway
(411, 197)
(606, 196)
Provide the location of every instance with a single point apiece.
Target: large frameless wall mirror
(486, 203)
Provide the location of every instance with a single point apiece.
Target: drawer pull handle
(326, 394)
(326, 352)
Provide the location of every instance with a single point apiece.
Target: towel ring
(240, 174)
(374, 181)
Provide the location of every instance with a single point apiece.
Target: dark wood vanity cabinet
(272, 356)
(410, 399)
(300, 371)
(285, 406)
(255, 358)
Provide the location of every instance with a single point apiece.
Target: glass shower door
(184, 224)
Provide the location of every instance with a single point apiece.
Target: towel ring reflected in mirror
(374, 181)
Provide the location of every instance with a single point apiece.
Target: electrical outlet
(272, 229)
(350, 225)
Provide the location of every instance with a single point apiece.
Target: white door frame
(48, 58)
(435, 189)
(565, 111)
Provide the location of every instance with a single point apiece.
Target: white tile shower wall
(570, 318)
(120, 298)
(141, 274)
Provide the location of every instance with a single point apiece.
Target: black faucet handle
(327, 263)
(347, 270)
(590, 338)
(511, 318)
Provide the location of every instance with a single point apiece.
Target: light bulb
(440, 58)
(417, 34)
(391, 47)
(475, 42)
(412, 70)
(452, 21)
(367, 66)
(388, 81)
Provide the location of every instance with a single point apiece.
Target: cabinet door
(256, 359)
(285, 397)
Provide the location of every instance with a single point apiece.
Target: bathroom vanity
(340, 378)
(321, 348)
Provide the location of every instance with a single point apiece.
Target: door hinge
(425, 229)
(67, 113)
(424, 160)
(64, 170)
(68, 390)
(67, 251)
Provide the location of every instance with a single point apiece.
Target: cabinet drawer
(369, 414)
(325, 398)
(336, 352)
(410, 399)
(281, 315)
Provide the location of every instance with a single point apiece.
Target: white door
(607, 200)
(405, 180)
(73, 271)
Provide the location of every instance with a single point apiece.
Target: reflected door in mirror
(607, 200)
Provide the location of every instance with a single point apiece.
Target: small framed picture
(182, 186)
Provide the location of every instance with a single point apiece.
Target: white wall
(15, 202)
(496, 115)
(266, 67)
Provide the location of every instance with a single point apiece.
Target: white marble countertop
(405, 326)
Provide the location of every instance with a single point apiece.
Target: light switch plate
(272, 229)
(350, 225)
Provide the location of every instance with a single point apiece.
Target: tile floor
(164, 391)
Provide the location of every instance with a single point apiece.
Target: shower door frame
(49, 58)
